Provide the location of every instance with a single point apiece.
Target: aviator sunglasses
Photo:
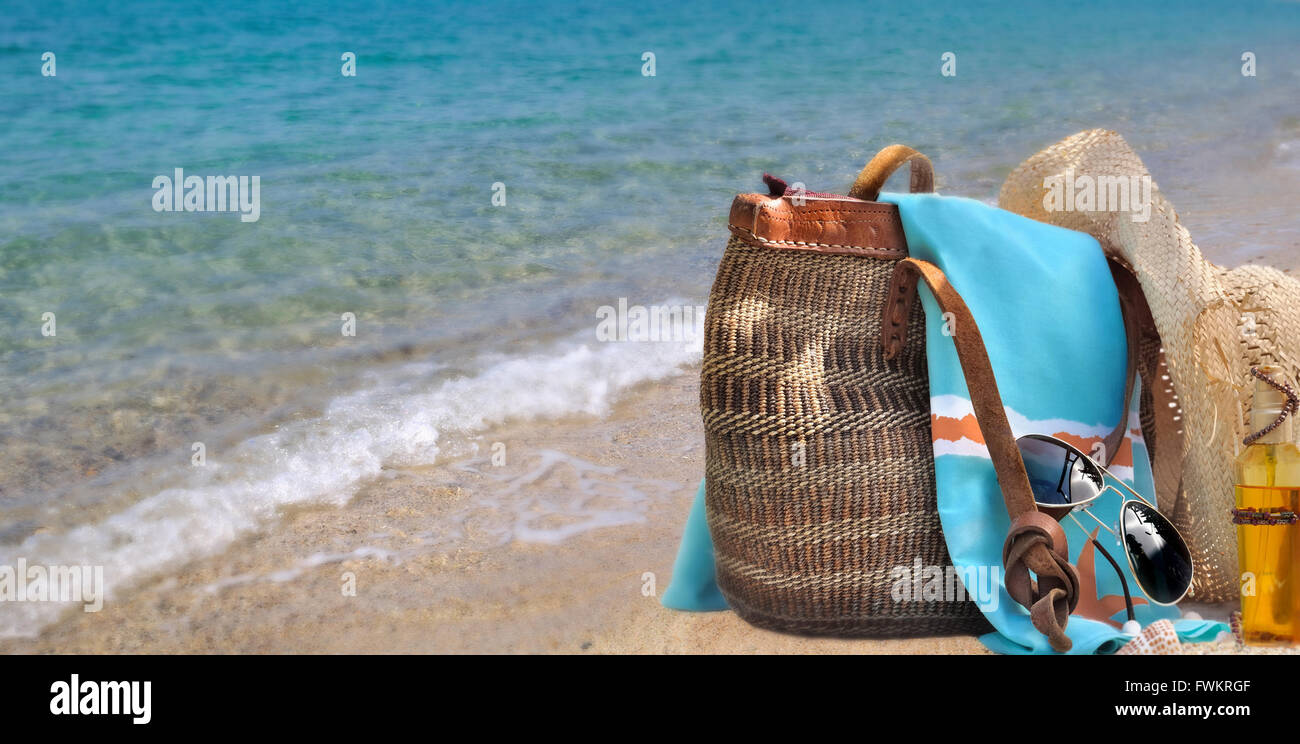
(1065, 480)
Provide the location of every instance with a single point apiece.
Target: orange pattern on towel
(955, 429)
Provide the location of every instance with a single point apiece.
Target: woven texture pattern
(1214, 325)
(820, 467)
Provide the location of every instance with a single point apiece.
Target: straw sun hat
(1213, 325)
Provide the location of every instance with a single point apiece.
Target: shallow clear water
(376, 199)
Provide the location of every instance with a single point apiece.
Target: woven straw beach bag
(1212, 325)
(819, 461)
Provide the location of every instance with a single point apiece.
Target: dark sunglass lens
(1057, 474)
(1162, 564)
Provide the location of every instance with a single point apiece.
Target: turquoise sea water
(376, 200)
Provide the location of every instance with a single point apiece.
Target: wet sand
(471, 588)
(417, 591)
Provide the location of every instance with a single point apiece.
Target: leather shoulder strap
(1164, 438)
(1036, 541)
(976, 368)
(1115, 438)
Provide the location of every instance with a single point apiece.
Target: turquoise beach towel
(1049, 315)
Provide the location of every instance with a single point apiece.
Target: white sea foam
(324, 460)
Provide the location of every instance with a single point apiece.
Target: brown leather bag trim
(835, 226)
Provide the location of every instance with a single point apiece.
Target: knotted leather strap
(882, 166)
(1049, 599)
(1035, 542)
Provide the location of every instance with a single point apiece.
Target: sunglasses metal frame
(1060, 510)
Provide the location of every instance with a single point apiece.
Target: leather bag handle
(882, 166)
(1035, 543)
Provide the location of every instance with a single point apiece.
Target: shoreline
(281, 590)
(468, 589)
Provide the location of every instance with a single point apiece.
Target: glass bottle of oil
(1268, 490)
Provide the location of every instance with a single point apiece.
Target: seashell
(1157, 639)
